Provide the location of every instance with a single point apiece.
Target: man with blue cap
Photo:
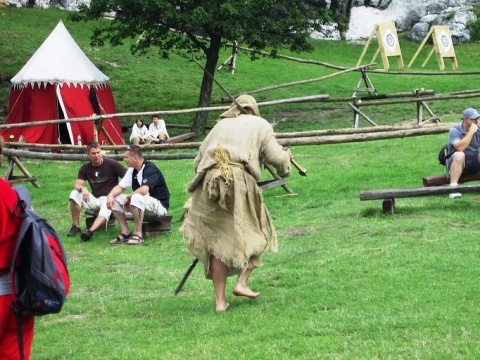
(463, 142)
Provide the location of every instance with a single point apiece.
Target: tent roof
(59, 60)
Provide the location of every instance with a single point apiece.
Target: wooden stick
(218, 108)
(358, 111)
(372, 34)
(348, 131)
(82, 157)
(420, 47)
(428, 57)
(302, 81)
(337, 139)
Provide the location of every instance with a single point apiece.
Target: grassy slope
(348, 281)
(151, 83)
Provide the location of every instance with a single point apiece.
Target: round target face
(390, 40)
(444, 40)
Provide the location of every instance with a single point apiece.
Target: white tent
(59, 60)
(59, 81)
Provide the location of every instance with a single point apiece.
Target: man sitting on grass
(158, 130)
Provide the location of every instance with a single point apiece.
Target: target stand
(232, 59)
(442, 46)
(388, 45)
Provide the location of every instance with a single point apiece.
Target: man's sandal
(135, 240)
(120, 239)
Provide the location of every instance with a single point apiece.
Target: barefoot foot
(244, 291)
(222, 307)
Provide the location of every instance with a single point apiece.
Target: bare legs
(138, 219)
(99, 222)
(241, 288)
(122, 221)
(219, 277)
(456, 167)
(219, 273)
(75, 211)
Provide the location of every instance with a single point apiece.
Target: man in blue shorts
(463, 141)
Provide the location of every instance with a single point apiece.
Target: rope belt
(226, 170)
(232, 164)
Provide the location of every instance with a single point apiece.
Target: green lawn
(349, 282)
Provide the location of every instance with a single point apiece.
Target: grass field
(349, 282)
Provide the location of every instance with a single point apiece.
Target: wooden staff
(302, 171)
(185, 276)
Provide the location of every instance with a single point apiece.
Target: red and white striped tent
(60, 82)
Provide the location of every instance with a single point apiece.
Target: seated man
(158, 130)
(150, 195)
(102, 175)
(463, 141)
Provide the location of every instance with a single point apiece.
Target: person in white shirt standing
(158, 130)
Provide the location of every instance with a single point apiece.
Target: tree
(202, 27)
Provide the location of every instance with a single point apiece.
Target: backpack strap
(23, 196)
(20, 337)
(24, 202)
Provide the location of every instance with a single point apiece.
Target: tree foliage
(199, 28)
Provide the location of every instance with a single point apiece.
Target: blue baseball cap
(471, 113)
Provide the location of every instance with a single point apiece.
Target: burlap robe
(227, 216)
(232, 223)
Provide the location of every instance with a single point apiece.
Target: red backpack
(39, 276)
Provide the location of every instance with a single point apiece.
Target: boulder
(411, 16)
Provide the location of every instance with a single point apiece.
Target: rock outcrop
(413, 17)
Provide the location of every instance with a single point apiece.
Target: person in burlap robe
(227, 226)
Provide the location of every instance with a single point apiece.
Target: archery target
(444, 43)
(390, 41)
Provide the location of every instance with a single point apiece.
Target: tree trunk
(212, 54)
(343, 7)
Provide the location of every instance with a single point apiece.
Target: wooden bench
(179, 138)
(438, 180)
(389, 195)
(151, 226)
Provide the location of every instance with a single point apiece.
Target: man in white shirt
(158, 130)
(149, 195)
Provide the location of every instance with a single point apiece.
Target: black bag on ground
(443, 155)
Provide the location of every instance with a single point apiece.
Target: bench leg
(388, 206)
(158, 227)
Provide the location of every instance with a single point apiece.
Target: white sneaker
(454, 195)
